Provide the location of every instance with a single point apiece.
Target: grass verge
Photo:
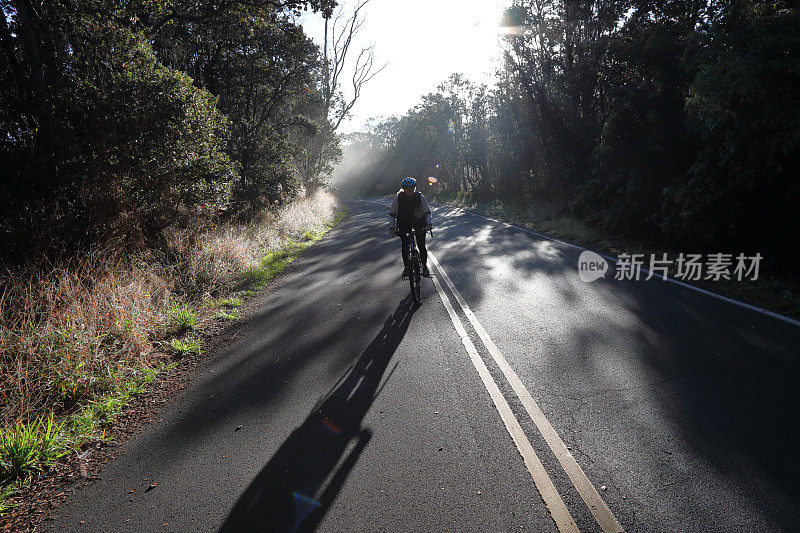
(181, 317)
(28, 449)
(776, 293)
(79, 341)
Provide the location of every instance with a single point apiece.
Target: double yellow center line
(564, 521)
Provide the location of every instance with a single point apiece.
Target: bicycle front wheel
(414, 280)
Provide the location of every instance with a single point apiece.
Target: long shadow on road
(297, 486)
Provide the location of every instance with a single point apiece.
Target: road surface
(339, 406)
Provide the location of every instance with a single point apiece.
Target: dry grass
(71, 333)
(68, 333)
(307, 213)
(209, 262)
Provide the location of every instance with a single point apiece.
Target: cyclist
(410, 210)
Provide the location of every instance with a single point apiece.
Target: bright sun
(423, 42)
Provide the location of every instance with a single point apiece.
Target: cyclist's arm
(393, 215)
(426, 208)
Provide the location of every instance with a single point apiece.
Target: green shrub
(25, 448)
(186, 347)
(181, 317)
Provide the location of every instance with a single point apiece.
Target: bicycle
(415, 278)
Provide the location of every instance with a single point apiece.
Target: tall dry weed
(313, 211)
(70, 332)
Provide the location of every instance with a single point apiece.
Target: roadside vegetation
(79, 340)
(161, 161)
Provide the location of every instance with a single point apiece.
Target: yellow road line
(608, 522)
(543, 483)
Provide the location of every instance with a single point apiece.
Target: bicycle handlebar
(399, 234)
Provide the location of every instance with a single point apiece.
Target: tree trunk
(40, 97)
(8, 47)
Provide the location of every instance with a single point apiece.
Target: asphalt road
(360, 412)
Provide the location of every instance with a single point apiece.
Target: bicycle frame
(416, 266)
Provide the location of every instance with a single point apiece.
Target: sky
(421, 42)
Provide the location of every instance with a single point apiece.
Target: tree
(120, 146)
(744, 103)
(337, 56)
(115, 122)
(266, 72)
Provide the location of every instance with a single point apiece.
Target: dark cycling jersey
(410, 211)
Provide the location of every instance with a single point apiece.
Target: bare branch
(339, 34)
(337, 51)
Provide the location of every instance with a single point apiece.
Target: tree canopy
(670, 119)
(120, 118)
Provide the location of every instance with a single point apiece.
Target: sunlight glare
(422, 44)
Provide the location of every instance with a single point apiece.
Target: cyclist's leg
(423, 252)
(405, 244)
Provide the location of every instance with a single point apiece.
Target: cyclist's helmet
(408, 182)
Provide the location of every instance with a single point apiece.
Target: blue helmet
(408, 182)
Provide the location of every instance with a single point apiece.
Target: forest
(676, 121)
(120, 119)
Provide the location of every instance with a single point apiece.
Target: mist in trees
(120, 118)
(674, 120)
(320, 146)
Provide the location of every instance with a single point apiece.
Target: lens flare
(331, 426)
(303, 506)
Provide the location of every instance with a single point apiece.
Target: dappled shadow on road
(332, 297)
(297, 486)
(643, 367)
(491, 257)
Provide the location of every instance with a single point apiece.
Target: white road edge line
(644, 270)
(555, 505)
(589, 494)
